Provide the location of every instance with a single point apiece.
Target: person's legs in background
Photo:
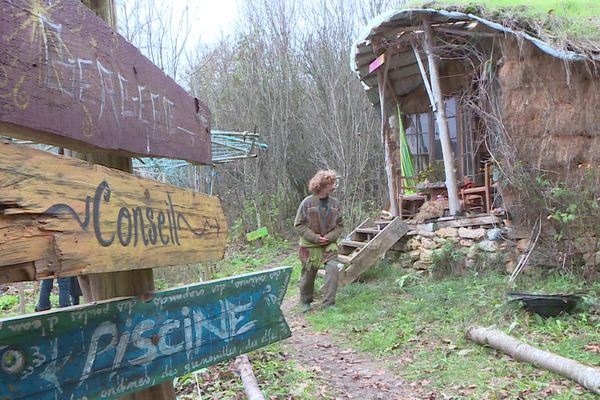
(44, 300)
(332, 276)
(75, 291)
(307, 286)
(64, 290)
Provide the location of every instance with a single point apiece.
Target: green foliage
(8, 301)
(572, 18)
(422, 322)
(280, 377)
(434, 172)
(572, 207)
(448, 260)
(250, 258)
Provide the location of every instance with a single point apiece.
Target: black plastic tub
(546, 305)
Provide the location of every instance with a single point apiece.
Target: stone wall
(457, 250)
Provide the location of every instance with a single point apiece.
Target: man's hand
(323, 240)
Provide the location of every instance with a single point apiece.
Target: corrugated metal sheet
(404, 64)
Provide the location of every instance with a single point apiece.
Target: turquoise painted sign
(109, 349)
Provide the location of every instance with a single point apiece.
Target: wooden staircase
(366, 244)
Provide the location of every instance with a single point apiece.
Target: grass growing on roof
(417, 326)
(551, 20)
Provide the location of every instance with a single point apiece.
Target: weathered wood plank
(459, 222)
(352, 243)
(71, 217)
(120, 346)
(67, 78)
(374, 249)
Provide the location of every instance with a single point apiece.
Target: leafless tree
(284, 72)
(161, 31)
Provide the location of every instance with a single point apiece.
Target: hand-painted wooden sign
(61, 217)
(108, 349)
(67, 78)
(257, 234)
(378, 62)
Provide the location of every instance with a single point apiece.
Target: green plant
(408, 279)
(423, 325)
(8, 301)
(280, 377)
(448, 260)
(434, 172)
(553, 20)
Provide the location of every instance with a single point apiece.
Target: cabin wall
(550, 108)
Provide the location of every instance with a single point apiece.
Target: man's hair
(321, 179)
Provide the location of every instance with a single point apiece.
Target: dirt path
(346, 373)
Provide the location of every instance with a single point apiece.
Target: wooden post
(126, 283)
(21, 298)
(385, 134)
(423, 74)
(442, 122)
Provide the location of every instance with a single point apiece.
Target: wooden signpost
(61, 217)
(67, 78)
(116, 347)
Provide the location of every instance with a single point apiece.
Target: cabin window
(426, 149)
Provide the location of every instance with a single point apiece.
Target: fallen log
(244, 369)
(586, 376)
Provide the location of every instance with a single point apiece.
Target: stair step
(367, 256)
(344, 259)
(353, 243)
(383, 222)
(373, 231)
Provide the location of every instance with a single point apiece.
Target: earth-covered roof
(390, 26)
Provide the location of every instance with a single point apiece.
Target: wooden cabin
(506, 102)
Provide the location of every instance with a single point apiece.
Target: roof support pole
(442, 121)
(423, 74)
(388, 144)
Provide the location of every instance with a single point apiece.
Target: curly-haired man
(319, 223)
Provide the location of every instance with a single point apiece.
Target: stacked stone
(478, 246)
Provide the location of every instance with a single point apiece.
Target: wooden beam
(69, 79)
(72, 217)
(458, 223)
(129, 283)
(385, 133)
(466, 32)
(442, 122)
(423, 74)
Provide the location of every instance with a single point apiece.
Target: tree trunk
(387, 145)
(442, 122)
(587, 377)
(244, 368)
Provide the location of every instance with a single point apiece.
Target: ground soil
(344, 372)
